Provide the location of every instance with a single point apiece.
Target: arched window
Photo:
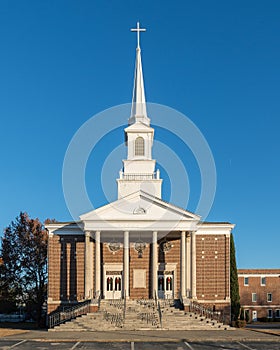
(118, 284)
(139, 149)
(160, 283)
(109, 283)
(168, 283)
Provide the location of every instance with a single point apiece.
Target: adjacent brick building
(259, 291)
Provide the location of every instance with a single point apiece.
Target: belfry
(139, 168)
(139, 246)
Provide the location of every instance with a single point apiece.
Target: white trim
(215, 233)
(216, 301)
(269, 301)
(258, 275)
(113, 267)
(262, 306)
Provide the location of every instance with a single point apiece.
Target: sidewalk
(143, 336)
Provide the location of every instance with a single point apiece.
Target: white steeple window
(139, 147)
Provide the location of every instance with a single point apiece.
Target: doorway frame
(112, 267)
(172, 267)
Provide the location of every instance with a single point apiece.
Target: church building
(139, 246)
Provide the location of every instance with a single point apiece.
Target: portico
(142, 234)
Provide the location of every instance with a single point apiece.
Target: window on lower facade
(269, 313)
(277, 313)
(254, 297)
(263, 281)
(269, 297)
(246, 281)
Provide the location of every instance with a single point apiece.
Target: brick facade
(65, 270)
(213, 272)
(140, 263)
(259, 291)
(66, 257)
(212, 259)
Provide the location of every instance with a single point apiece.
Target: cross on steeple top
(138, 30)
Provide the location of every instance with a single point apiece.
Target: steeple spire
(139, 168)
(138, 109)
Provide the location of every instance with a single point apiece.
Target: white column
(88, 266)
(126, 263)
(193, 253)
(97, 264)
(183, 264)
(188, 264)
(154, 264)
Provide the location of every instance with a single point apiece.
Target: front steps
(139, 315)
(176, 319)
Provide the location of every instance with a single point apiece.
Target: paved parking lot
(184, 345)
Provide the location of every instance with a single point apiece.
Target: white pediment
(139, 210)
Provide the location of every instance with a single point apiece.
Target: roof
(258, 271)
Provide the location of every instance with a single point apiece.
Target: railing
(124, 306)
(159, 314)
(155, 297)
(150, 310)
(153, 176)
(115, 318)
(150, 303)
(117, 303)
(99, 301)
(149, 317)
(69, 313)
(207, 312)
(167, 302)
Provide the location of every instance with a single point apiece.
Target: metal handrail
(207, 312)
(99, 301)
(124, 306)
(59, 317)
(155, 297)
(159, 314)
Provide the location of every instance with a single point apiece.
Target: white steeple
(138, 171)
(138, 108)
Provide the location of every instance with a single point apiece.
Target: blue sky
(217, 62)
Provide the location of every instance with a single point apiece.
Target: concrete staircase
(139, 315)
(173, 318)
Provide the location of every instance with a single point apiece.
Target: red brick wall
(54, 253)
(212, 267)
(109, 257)
(140, 263)
(65, 269)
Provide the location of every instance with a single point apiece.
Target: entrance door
(113, 286)
(254, 315)
(165, 285)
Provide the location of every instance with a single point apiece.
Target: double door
(113, 286)
(165, 285)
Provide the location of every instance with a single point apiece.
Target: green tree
(234, 287)
(24, 263)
